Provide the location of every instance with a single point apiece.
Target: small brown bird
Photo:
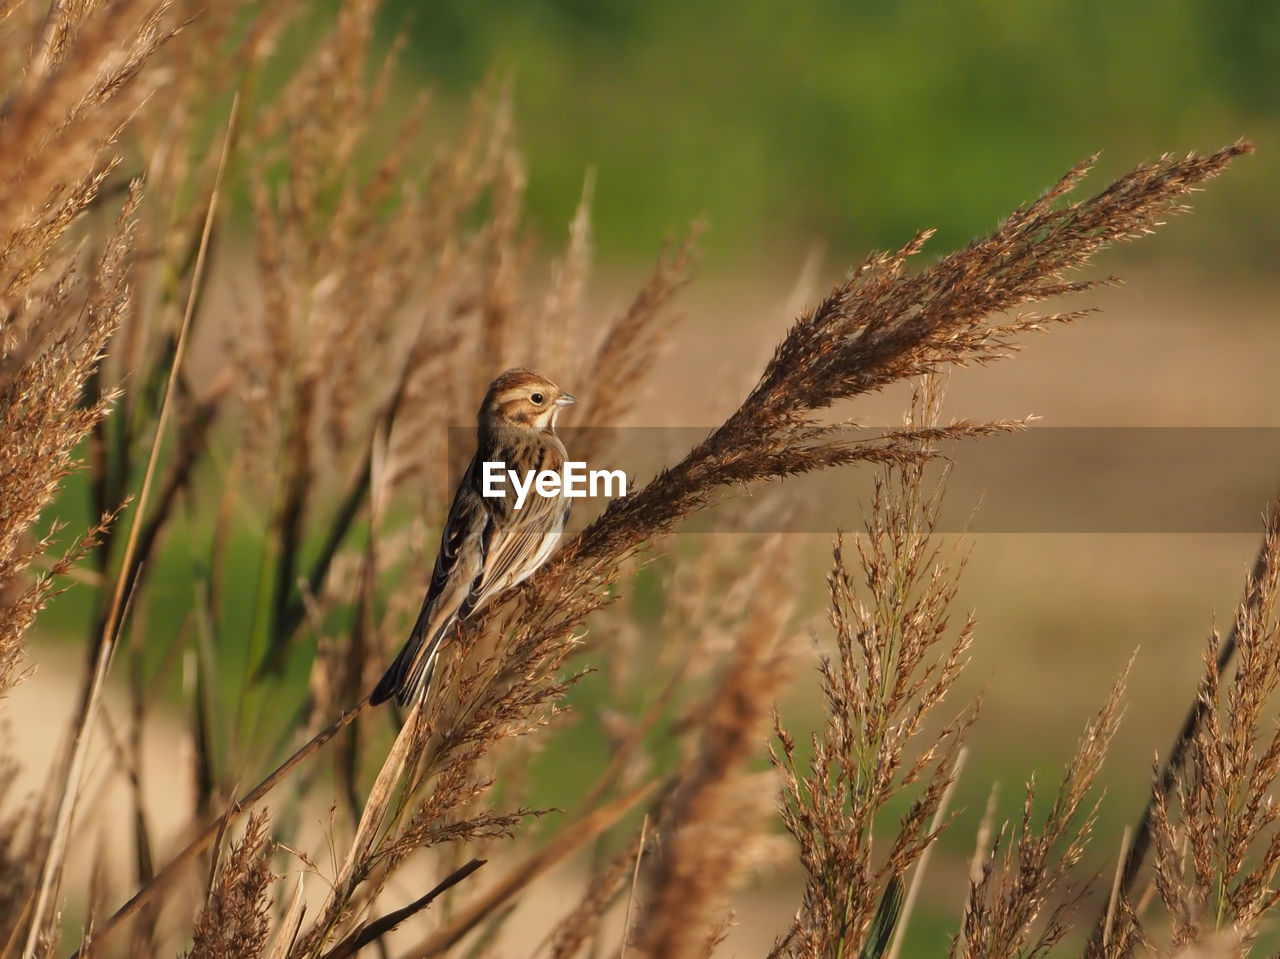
(489, 544)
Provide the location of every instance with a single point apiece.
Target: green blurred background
(857, 123)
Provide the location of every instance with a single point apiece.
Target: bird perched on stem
(488, 545)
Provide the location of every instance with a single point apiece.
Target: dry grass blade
(917, 878)
(582, 925)
(631, 893)
(1113, 899)
(175, 366)
(42, 52)
(290, 925)
(54, 856)
(407, 741)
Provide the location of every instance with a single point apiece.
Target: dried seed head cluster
(58, 133)
(1022, 902)
(885, 325)
(1217, 837)
(896, 658)
(236, 919)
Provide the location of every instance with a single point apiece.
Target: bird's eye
(537, 399)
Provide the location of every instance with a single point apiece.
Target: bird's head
(523, 398)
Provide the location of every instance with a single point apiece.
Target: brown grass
(389, 283)
(236, 919)
(1216, 862)
(897, 657)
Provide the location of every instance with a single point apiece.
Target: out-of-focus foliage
(857, 121)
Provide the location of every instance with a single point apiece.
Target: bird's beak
(566, 400)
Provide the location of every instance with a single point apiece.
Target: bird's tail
(410, 675)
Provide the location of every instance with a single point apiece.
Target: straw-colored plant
(264, 422)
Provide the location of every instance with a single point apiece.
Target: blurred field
(858, 123)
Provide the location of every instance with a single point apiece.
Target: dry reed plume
(383, 291)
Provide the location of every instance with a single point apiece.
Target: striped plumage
(487, 545)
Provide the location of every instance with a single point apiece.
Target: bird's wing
(459, 563)
(518, 547)
(466, 514)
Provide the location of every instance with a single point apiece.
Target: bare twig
(379, 927)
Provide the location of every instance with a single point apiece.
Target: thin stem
(631, 893)
(944, 803)
(110, 633)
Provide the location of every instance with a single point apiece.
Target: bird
(488, 545)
